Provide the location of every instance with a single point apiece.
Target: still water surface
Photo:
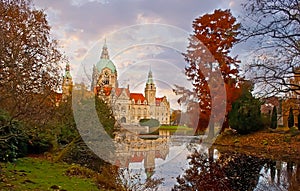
(166, 158)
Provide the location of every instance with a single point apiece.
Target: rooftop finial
(104, 54)
(67, 72)
(150, 77)
(67, 67)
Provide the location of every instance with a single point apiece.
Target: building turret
(104, 75)
(67, 83)
(150, 89)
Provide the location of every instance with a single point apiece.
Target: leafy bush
(106, 116)
(79, 153)
(149, 122)
(13, 142)
(40, 143)
(80, 171)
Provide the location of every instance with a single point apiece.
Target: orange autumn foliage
(216, 33)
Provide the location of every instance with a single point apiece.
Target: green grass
(173, 127)
(177, 129)
(39, 174)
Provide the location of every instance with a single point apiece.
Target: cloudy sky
(140, 34)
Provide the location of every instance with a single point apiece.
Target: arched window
(123, 120)
(123, 109)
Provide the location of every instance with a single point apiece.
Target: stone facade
(128, 107)
(267, 108)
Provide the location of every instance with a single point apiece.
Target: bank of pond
(235, 162)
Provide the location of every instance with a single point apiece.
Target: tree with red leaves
(213, 37)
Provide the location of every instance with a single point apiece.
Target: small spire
(67, 72)
(67, 67)
(104, 53)
(150, 77)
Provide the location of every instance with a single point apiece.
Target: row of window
(139, 102)
(138, 111)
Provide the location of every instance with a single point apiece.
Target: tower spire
(104, 53)
(150, 90)
(150, 77)
(67, 72)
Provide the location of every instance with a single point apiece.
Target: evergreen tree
(245, 116)
(105, 115)
(299, 121)
(274, 118)
(291, 118)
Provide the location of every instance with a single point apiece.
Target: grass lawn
(177, 129)
(173, 127)
(40, 174)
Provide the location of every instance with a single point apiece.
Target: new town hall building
(128, 107)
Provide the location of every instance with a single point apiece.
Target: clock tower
(104, 77)
(150, 89)
(67, 84)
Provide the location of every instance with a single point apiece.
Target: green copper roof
(68, 75)
(67, 72)
(150, 78)
(105, 63)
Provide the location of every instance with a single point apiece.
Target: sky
(140, 35)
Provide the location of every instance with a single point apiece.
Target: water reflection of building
(132, 149)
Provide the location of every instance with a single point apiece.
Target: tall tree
(298, 117)
(218, 33)
(291, 118)
(29, 61)
(274, 26)
(274, 118)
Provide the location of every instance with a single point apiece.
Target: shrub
(149, 122)
(245, 116)
(13, 141)
(80, 171)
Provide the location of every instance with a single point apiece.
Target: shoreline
(273, 144)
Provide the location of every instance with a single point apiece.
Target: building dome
(67, 72)
(105, 63)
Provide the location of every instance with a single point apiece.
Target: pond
(179, 162)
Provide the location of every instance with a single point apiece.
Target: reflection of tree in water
(231, 171)
(282, 176)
